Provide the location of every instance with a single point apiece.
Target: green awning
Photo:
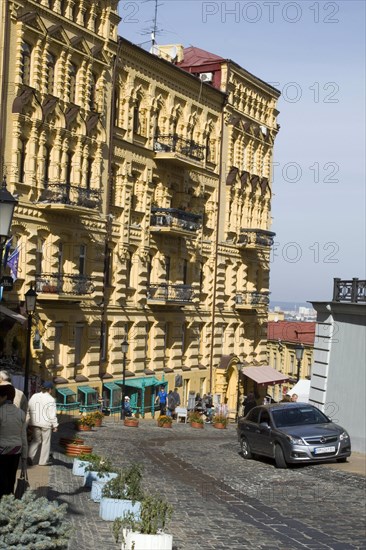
(86, 389)
(111, 386)
(142, 382)
(65, 391)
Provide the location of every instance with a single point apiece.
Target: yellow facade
(144, 203)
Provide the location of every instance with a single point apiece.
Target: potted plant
(146, 532)
(122, 494)
(165, 421)
(85, 423)
(63, 441)
(82, 462)
(196, 420)
(220, 421)
(98, 418)
(76, 449)
(131, 422)
(98, 473)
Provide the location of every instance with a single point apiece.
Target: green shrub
(126, 486)
(32, 523)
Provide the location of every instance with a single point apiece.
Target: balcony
(53, 286)
(59, 195)
(180, 151)
(255, 238)
(352, 291)
(174, 221)
(252, 300)
(169, 294)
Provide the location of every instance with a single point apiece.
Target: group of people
(250, 401)
(21, 420)
(167, 402)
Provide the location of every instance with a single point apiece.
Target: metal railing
(255, 237)
(172, 143)
(65, 193)
(175, 218)
(170, 293)
(252, 298)
(353, 291)
(54, 283)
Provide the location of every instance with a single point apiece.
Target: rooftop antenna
(154, 31)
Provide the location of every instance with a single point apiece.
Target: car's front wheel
(343, 459)
(280, 457)
(245, 448)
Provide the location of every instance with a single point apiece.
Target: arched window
(72, 82)
(51, 65)
(89, 172)
(26, 63)
(93, 91)
(136, 118)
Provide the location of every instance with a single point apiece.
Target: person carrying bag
(22, 483)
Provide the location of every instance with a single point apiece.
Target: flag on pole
(13, 262)
(7, 250)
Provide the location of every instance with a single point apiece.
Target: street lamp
(239, 366)
(7, 205)
(299, 351)
(30, 306)
(124, 347)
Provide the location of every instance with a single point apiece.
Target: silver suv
(292, 433)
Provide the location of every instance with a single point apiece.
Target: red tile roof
(291, 331)
(195, 57)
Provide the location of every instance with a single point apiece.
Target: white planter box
(78, 468)
(136, 541)
(89, 477)
(112, 508)
(98, 484)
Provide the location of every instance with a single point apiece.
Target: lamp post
(7, 205)
(299, 351)
(239, 366)
(30, 306)
(124, 347)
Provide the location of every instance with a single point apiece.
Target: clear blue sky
(314, 52)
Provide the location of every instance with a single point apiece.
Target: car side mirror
(265, 425)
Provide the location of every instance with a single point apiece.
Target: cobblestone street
(220, 500)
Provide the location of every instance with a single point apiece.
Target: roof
(195, 57)
(13, 315)
(264, 375)
(291, 331)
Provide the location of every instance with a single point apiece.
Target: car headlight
(295, 440)
(344, 435)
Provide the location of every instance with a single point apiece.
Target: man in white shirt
(20, 399)
(43, 421)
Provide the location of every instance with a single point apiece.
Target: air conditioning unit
(206, 77)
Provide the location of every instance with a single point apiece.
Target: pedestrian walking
(170, 404)
(161, 400)
(43, 421)
(294, 397)
(20, 399)
(13, 439)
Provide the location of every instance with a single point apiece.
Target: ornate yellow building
(144, 186)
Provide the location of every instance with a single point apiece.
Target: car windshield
(298, 416)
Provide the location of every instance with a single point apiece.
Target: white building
(338, 383)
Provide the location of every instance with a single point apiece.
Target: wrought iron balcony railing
(62, 284)
(175, 218)
(255, 237)
(252, 299)
(353, 291)
(174, 144)
(170, 293)
(65, 193)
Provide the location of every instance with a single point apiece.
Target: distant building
(338, 383)
(282, 339)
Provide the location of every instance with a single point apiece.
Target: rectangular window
(26, 63)
(22, 155)
(51, 64)
(69, 159)
(60, 258)
(89, 172)
(166, 338)
(72, 82)
(78, 343)
(47, 160)
(57, 344)
(167, 268)
(39, 256)
(185, 271)
(82, 259)
(104, 342)
(292, 364)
